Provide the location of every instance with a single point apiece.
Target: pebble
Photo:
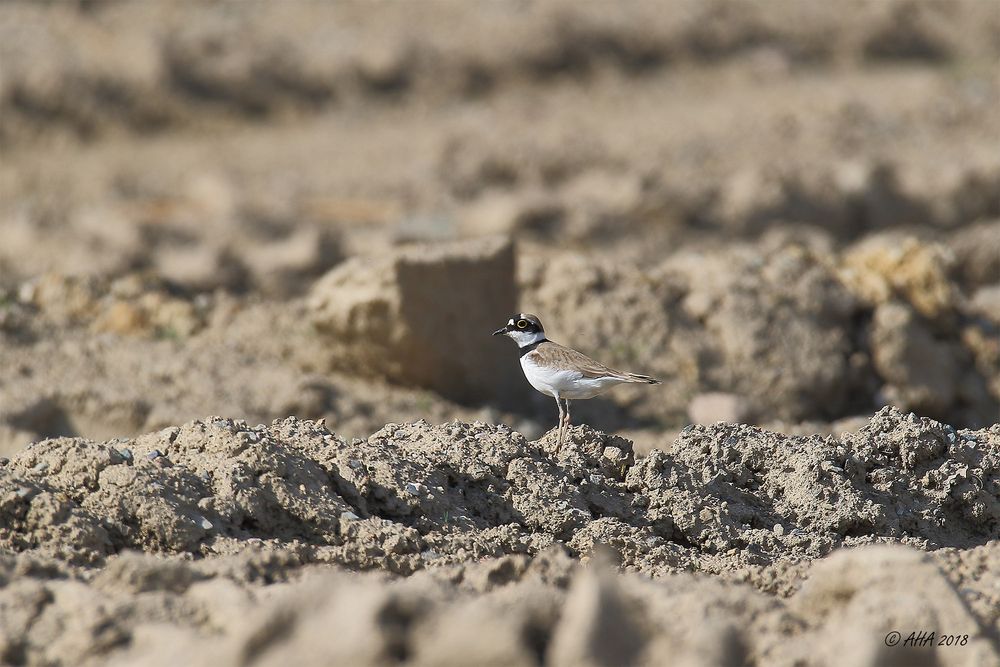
(26, 292)
(415, 489)
(348, 516)
(169, 434)
(4, 460)
(126, 455)
(778, 529)
(153, 455)
(25, 491)
(714, 407)
(205, 523)
(40, 467)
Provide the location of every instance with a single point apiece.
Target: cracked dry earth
(220, 543)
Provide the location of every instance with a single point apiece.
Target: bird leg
(559, 439)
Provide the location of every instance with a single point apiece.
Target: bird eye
(522, 324)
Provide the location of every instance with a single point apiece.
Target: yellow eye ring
(522, 324)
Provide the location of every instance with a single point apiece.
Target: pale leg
(563, 420)
(559, 438)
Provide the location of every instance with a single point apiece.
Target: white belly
(564, 383)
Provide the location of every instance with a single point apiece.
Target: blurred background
(788, 211)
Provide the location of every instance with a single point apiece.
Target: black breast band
(530, 348)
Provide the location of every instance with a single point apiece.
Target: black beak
(501, 331)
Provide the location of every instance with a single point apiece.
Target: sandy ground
(310, 216)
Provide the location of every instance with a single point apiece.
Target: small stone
(4, 460)
(153, 455)
(348, 516)
(712, 407)
(26, 292)
(205, 523)
(25, 491)
(415, 489)
(40, 467)
(169, 434)
(778, 529)
(126, 455)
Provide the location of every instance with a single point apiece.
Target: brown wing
(558, 356)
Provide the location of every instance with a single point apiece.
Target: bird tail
(636, 377)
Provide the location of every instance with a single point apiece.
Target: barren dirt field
(251, 254)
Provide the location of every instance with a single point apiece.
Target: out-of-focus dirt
(794, 206)
(312, 215)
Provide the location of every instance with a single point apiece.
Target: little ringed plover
(561, 372)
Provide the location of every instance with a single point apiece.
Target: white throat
(525, 338)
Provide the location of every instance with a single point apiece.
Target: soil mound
(723, 497)
(483, 520)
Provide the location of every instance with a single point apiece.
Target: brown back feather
(559, 356)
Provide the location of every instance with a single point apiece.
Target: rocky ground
(312, 215)
(736, 546)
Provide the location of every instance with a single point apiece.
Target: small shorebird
(561, 372)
